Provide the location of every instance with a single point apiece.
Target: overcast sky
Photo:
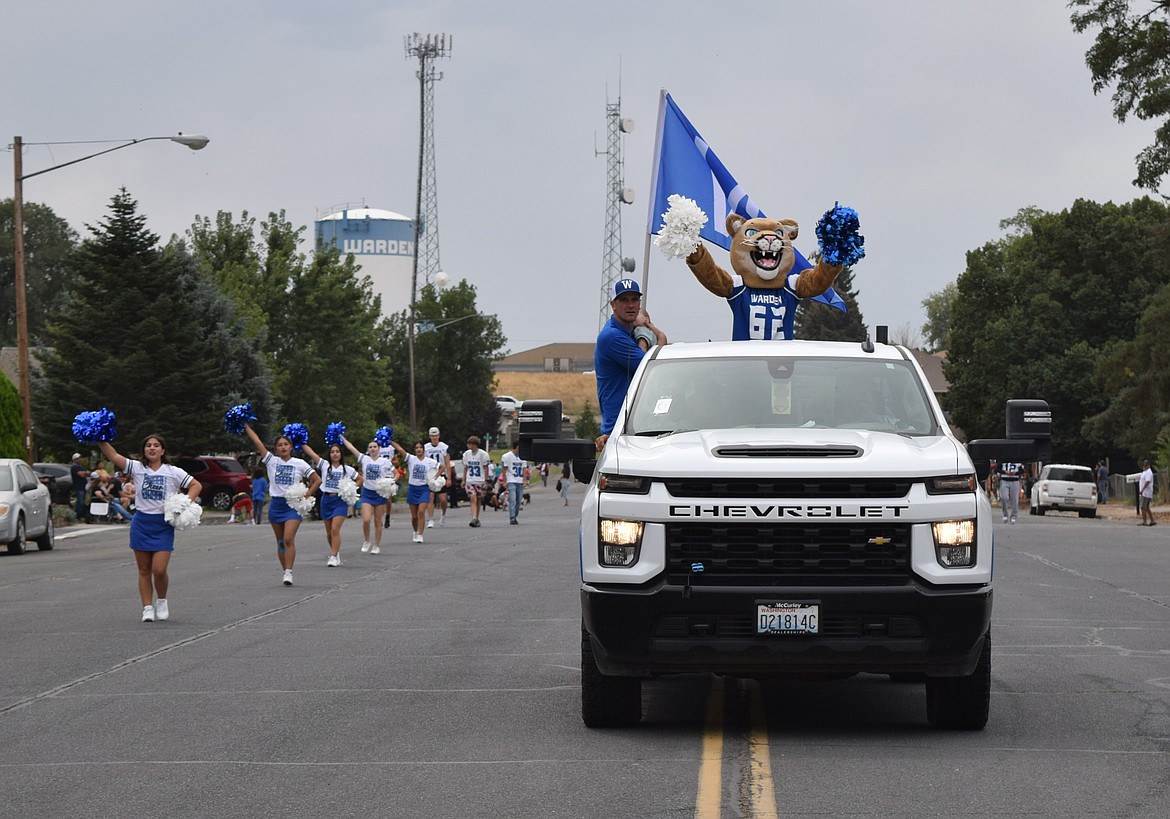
(934, 119)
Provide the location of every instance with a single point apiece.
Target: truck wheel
(45, 541)
(1040, 510)
(1087, 513)
(607, 702)
(962, 703)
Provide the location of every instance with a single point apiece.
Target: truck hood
(789, 452)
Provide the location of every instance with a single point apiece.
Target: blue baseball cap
(625, 286)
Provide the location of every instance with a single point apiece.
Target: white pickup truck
(785, 509)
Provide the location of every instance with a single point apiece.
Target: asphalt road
(441, 680)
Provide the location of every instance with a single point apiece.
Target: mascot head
(761, 249)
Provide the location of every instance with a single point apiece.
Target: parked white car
(26, 511)
(1065, 487)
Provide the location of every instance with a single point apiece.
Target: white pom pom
(298, 498)
(347, 490)
(437, 483)
(386, 487)
(680, 227)
(181, 512)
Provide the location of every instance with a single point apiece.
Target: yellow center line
(763, 794)
(708, 803)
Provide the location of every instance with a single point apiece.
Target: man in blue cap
(622, 342)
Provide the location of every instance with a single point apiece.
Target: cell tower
(426, 252)
(613, 266)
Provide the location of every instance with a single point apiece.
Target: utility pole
(613, 266)
(426, 219)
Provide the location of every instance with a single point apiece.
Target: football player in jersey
(477, 466)
(437, 451)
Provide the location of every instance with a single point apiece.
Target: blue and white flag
(685, 164)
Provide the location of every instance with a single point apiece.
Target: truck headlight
(4, 509)
(619, 541)
(954, 543)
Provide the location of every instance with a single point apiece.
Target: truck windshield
(771, 392)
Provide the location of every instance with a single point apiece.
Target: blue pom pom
(297, 434)
(334, 433)
(837, 232)
(233, 419)
(384, 436)
(95, 425)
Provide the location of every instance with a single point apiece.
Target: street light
(193, 141)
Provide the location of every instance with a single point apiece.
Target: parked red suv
(222, 478)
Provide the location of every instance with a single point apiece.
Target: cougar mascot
(768, 276)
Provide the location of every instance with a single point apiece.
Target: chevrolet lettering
(787, 509)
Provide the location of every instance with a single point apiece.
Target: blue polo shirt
(615, 358)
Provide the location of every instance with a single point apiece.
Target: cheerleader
(283, 471)
(373, 468)
(333, 509)
(418, 490)
(151, 537)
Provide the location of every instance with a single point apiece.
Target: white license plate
(787, 618)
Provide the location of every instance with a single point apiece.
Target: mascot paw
(837, 232)
(680, 227)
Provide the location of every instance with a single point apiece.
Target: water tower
(381, 241)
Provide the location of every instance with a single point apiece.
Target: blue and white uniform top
(475, 466)
(418, 469)
(759, 313)
(514, 466)
(437, 453)
(331, 475)
(152, 486)
(283, 474)
(374, 469)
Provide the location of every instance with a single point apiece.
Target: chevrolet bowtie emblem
(880, 541)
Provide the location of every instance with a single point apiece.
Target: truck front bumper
(911, 628)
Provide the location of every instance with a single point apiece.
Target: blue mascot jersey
(762, 314)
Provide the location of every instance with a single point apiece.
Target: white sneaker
(332, 561)
(287, 577)
(430, 524)
(161, 610)
(443, 519)
(375, 550)
(366, 546)
(148, 614)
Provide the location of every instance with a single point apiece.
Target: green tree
(938, 306)
(587, 426)
(1132, 53)
(818, 321)
(48, 244)
(11, 421)
(330, 365)
(452, 363)
(144, 334)
(1037, 311)
(317, 318)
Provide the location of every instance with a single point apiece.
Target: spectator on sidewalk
(1146, 490)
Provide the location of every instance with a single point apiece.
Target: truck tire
(962, 703)
(607, 702)
(1087, 513)
(1040, 510)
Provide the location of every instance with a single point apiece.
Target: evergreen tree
(48, 244)
(143, 334)
(587, 426)
(817, 321)
(11, 421)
